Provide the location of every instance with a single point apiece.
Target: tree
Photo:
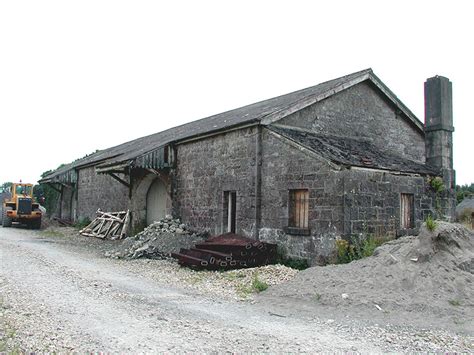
(463, 191)
(5, 186)
(46, 195)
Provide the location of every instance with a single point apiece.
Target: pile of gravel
(158, 241)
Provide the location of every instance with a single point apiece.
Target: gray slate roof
(250, 114)
(352, 152)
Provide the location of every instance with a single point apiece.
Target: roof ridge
(261, 112)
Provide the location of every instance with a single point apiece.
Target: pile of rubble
(158, 241)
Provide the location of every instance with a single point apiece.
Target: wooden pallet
(108, 225)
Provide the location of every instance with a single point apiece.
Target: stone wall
(372, 202)
(99, 191)
(342, 202)
(361, 112)
(205, 169)
(285, 167)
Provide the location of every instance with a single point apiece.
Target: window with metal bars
(407, 211)
(298, 209)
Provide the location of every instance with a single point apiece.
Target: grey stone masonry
(439, 139)
(286, 166)
(305, 169)
(99, 191)
(372, 201)
(342, 202)
(205, 170)
(362, 112)
(439, 126)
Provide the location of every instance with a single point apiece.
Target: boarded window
(298, 209)
(407, 211)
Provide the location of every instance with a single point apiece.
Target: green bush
(298, 264)
(357, 248)
(437, 184)
(431, 223)
(343, 251)
(283, 259)
(464, 191)
(258, 285)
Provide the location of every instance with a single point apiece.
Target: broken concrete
(158, 241)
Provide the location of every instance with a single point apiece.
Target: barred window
(407, 211)
(298, 209)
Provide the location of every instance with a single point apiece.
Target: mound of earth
(428, 278)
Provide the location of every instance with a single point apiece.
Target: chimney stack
(439, 127)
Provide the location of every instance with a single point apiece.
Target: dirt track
(61, 297)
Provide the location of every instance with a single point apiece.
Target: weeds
(232, 276)
(258, 285)
(244, 291)
(454, 302)
(52, 233)
(344, 251)
(283, 259)
(357, 248)
(437, 184)
(298, 264)
(431, 223)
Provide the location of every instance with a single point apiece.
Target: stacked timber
(108, 225)
(227, 251)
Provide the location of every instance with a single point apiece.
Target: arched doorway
(156, 202)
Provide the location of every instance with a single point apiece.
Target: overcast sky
(86, 75)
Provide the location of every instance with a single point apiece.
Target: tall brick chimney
(439, 127)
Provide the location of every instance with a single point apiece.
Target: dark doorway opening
(230, 207)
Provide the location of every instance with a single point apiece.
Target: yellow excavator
(21, 207)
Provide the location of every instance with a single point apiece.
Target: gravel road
(60, 297)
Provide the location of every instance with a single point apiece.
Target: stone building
(340, 158)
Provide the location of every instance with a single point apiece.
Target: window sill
(297, 231)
